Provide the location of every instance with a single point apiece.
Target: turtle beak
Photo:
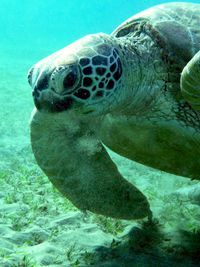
(47, 100)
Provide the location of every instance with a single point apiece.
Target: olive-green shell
(175, 27)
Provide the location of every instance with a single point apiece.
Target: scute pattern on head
(97, 79)
(82, 74)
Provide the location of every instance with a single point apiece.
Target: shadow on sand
(149, 245)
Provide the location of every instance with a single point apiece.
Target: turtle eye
(71, 78)
(65, 79)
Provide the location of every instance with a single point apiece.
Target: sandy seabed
(38, 227)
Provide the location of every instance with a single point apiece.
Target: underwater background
(38, 227)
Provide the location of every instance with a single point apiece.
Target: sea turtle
(120, 91)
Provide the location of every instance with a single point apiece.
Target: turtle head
(85, 76)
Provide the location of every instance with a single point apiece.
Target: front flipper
(190, 82)
(81, 169)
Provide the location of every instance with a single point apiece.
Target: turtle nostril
(35, 93)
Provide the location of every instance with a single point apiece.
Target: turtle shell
(175, 28)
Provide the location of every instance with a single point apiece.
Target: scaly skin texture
(165, 134)
(122, 91)
(67, 150)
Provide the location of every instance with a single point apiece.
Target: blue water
(49, 25)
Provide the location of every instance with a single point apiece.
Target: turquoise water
(49, 25)
(30, 31)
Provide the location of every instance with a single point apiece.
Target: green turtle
(135, 91)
